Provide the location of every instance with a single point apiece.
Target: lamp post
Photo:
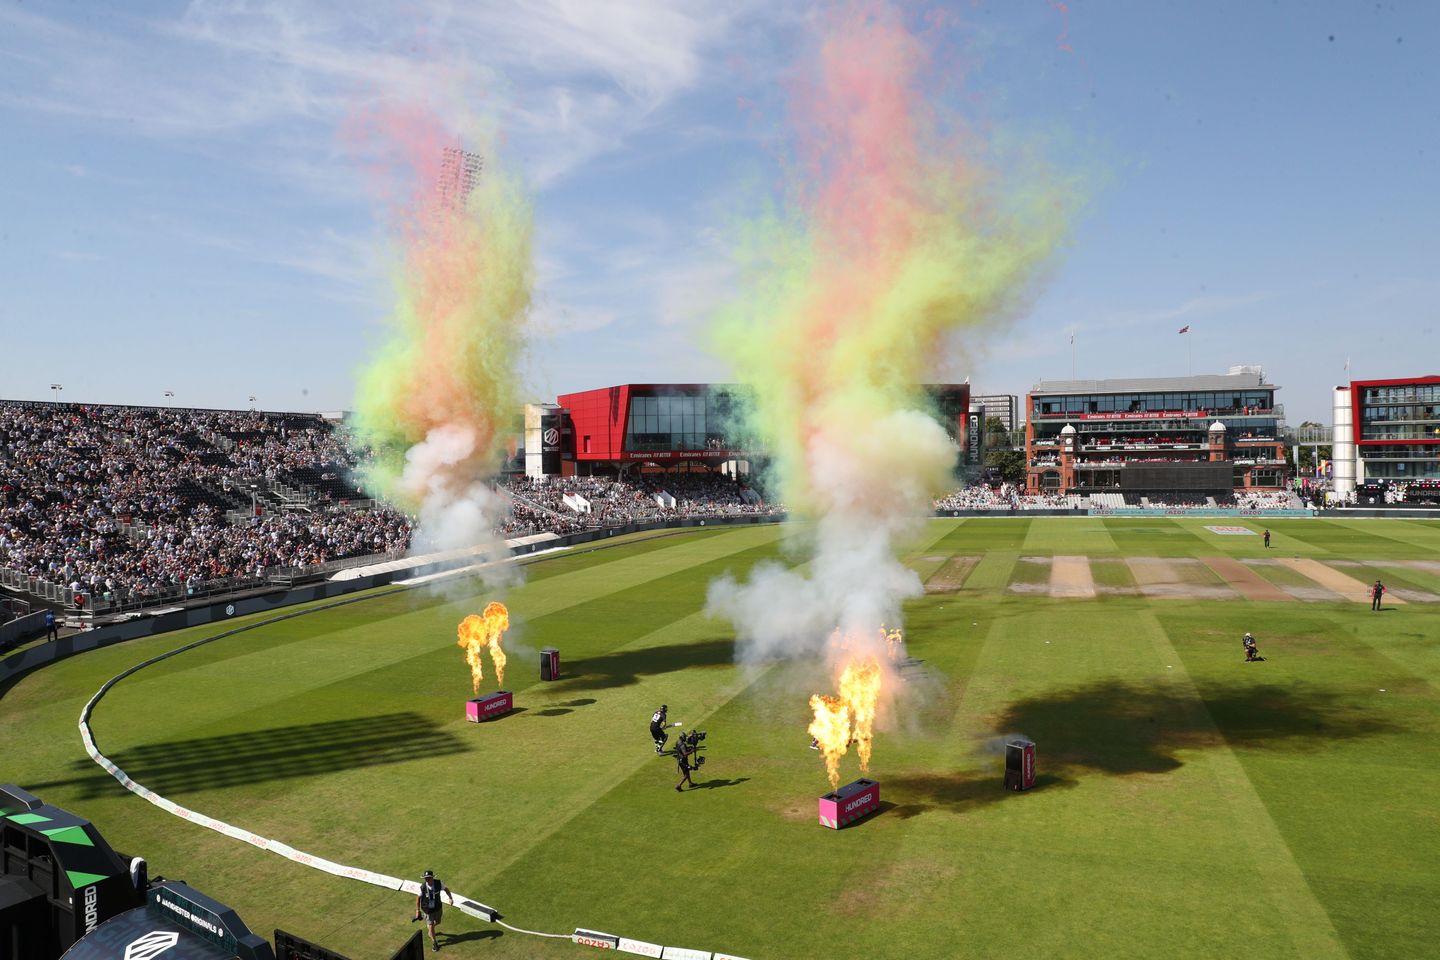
(252, 403)
(55, 389)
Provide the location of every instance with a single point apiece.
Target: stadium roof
(1207, 381)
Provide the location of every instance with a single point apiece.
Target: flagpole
(1189, 357)
(1072, 354)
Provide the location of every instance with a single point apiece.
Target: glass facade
(1406, 412)
(679, 422)
(1211, 401)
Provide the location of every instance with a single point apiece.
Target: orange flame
(894, 642)
(831, 730)
(850, 717)
(485, 630)
(860, 690)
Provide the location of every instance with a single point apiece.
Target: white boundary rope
(464, 904)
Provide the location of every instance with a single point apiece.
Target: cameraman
(683, 752)
(657, 728)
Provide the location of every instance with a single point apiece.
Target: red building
(1396, 429)
(684, 425)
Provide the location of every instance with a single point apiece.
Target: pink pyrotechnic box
(849, 803)
(489, 707)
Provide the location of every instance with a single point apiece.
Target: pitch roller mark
(1332, 579)
(1070, 577)
(1250, 584)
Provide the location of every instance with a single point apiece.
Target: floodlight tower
(459, 170)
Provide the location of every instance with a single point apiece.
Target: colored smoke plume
(896, 232)
(441, 388)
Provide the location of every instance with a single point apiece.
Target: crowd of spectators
(130, 502)
(981, 496)
(1263, 499)
(121, 502)
(580, 502)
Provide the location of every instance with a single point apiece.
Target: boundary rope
(463, 903)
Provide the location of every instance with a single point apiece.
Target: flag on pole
(1347, 363)
(1072, 339)
(1185, 329)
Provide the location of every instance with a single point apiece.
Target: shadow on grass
(446, 939)
(1115, 728)
(957, 792)
(718, 784)
(277, 753)
(1122, 728)
(624, 667)
(567, 707)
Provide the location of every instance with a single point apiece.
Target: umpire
(427, 903)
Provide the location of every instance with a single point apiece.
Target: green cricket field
(1188, 804)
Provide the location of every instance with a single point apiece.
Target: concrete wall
(19, 630)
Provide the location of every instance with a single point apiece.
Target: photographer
(657, 728)
(684, 750)
(1252, 652)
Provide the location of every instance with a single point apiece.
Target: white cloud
(570, 79)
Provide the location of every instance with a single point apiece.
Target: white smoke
(457, 512)
(874, 481)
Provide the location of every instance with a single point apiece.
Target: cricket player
(657, 728)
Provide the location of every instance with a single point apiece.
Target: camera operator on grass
(687, 757)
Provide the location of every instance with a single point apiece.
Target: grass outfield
(1189, 804)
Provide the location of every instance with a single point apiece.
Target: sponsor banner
(680, 953)
(726, 956)
(1126, 415)
(676, 455)
(1231, 531)
(1197, 512)
(593, 938)
(640, 947)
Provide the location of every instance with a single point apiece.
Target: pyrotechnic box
(1019, 764)
(549, 664)
(489, 707)
(849, 803)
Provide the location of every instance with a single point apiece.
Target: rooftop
(1205, 381)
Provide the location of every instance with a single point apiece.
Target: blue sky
(178, 210)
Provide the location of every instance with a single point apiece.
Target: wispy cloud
(570, 80)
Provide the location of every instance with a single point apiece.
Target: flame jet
(831, 730)
(479, 631)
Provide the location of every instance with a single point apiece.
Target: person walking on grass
(682, 763)
(428, 905)
(1267, 538)
(1376, 592)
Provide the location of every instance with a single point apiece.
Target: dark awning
(143, 934)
